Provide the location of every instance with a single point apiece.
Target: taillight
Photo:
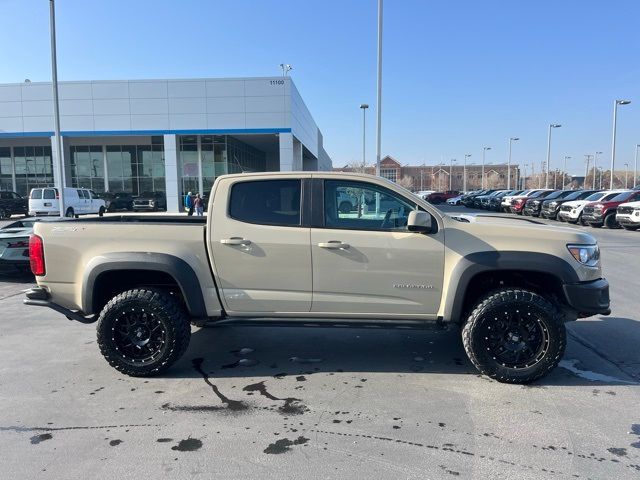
(36, 255)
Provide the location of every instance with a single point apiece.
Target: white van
(77, 201)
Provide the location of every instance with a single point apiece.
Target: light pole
(586, 171)
(484, 151)
(564, 170)
(635, 167)
(613, 140)
(626, 170)
(56, 109)
(464, 171)
(453, 160)
(523, 177)
(379, 93)
(511, 140)
(595, 169)
(551, 125)
(364, 107)
(286, 68)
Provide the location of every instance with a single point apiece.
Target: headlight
(588, 255)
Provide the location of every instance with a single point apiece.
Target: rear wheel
(142, 332)
(514, 336)
(69, 213)
(631, 227)
(101, 211)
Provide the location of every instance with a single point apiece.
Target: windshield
(574, 195)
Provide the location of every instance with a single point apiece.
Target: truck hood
(630, 204)
(577, 203)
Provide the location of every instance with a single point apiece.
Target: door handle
(235, 241)
(333, 244)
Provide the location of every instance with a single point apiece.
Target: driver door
(365, 261)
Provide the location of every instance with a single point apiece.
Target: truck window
(49, 194)
(36, 194)
(266, 202)
(361, 206)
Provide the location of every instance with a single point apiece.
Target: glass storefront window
(33, 168)
(6, 169)
(87, 167)
(136, 168)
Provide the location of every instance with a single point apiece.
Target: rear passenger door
(259, 243)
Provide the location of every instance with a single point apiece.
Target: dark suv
(118, 201)
(533, 207)
(12, 204)
(551, 207)
(153, 201)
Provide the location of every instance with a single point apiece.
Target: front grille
(588, 211)
(566, 208)
(625, 210)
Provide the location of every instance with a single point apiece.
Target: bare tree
(357, 166)
(406, 182)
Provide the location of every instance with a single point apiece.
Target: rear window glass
(270, 202)
(36, 194)
(49, 194)
(621, 197)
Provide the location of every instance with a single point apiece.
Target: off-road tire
(498, 303)
(166, 309)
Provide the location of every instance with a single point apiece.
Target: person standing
(188, 204)
(198, 203)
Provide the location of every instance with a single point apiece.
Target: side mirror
(419, 221)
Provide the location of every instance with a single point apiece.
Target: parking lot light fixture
(548, 163)
(626, 171)
(511, 140)
(564, 170)
(484, 151)
(613, 135)
(453, 160)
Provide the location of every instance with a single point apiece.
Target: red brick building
(436, 177)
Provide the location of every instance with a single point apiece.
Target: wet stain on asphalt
(449, 471)
(233, 405)
(292, 406)
(284, 445)
(36, 439)
(620, 452)
(243, 362)
(188, 445)
(164, 440)
(115, 443)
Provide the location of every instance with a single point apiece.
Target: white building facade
(172, 136)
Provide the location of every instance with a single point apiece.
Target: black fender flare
(495, 261)
(177, 268)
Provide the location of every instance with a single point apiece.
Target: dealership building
(172, 136)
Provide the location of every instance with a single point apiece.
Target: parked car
(495, 203)
(603, 213)
(505, 205)
(118, 201)
(424, 193)
(150, 201)
(551, 207)
(518, 203)
(265, 252)
(469, 200)
(628, 215)
(455, 200)
(12, 204)
(436, 198)
(571, 211)
(77, 201)
(14, 244)
(533, 207)
(484, 200)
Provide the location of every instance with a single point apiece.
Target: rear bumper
(39, 297)
(588, 298)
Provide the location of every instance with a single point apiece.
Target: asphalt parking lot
(310, 402)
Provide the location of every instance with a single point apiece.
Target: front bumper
(39, 297)
(628, 220)
(534, 211)
(588, 298)
(595, 217)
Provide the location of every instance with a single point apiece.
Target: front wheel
(345, 207)
(610, 221)
(101, 211)
(514, 336)
(142, 332)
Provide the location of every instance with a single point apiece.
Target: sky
(458, 75)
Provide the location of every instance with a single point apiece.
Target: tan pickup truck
(282, 245)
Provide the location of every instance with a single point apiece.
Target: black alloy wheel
(142, 332)
(515, 336)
